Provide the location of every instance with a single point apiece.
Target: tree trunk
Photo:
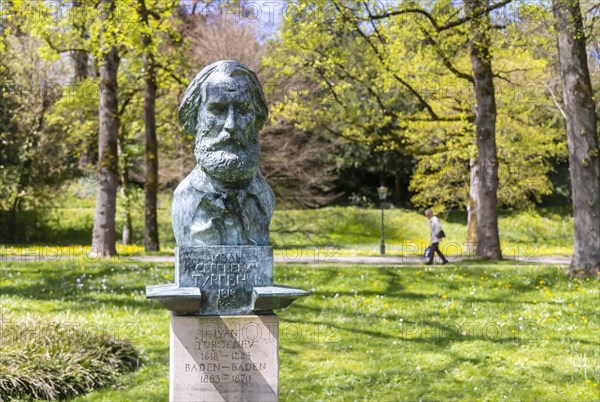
(472, 206)
(127, 232)
(103, 235)
(80, 57)
(488, 239)
(12, 220)
(80, 64)
(80, 60)
(151, 183)
(584, 155)
(398, 187)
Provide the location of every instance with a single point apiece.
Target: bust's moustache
(225, 140)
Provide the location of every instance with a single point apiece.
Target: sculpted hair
(192, 99)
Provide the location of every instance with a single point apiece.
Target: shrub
(58, 360)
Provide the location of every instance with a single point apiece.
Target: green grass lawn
(348, 230)
(472, 331)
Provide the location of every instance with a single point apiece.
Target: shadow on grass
(459, 217)
(422, 331)
(85, 300)
(105, 283)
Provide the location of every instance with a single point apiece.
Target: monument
(224, 334)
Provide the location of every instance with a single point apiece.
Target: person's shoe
(445, 262)
(429, 263)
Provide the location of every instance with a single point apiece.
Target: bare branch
(62, 50)
(433, 21)
(556, 102)
(171, 73)
(446, 60)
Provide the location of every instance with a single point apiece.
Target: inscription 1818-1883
(225, 275)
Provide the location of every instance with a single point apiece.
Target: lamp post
(382, 191)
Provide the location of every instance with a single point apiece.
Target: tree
(153, 58)
(34, 157)
(150, 86)
(401, 77)
(80, 57)
(484, 199)
(103, 234)
(488, 238)
(584, 154)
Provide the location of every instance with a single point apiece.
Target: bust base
(223, 281)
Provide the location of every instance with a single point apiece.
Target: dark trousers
(435, 249)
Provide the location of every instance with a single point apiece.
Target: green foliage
(549, 229)
(399, 84)
(77, 109)
(78, 29)
(34, 156)
(340, 86)
(529, 134)
(76, 113)
(441, 176)
(57, 360)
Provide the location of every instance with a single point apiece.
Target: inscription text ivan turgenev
(225, 200)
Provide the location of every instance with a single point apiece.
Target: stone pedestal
(224, 358)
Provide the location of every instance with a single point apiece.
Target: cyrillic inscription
(225, 275)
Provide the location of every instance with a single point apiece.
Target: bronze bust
(225, 200)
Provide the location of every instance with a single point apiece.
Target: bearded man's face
(227, 146)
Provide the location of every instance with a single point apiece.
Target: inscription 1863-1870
(225, 275)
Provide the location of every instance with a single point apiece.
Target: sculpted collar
(201, 183)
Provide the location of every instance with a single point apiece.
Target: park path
(372, 260)
(280, 257)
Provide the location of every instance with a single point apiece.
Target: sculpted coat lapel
(235, 217)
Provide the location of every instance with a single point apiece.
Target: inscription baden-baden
(232, 349)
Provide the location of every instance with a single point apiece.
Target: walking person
(436, 230)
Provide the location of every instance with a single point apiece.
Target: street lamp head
(382, 191)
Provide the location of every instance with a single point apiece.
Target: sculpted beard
(228, 160)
